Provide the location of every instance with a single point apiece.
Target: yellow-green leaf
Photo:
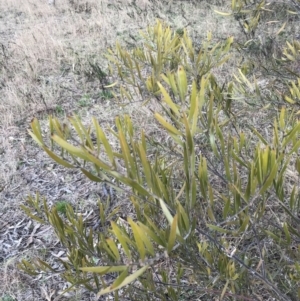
(184, 216)
(269, 180)
(129, 161)
(73, 150)
(137, 238)
(286, 232)
(126, 281)
(121, 238)
(222, 13)
(74, 120)
(291, 135)
(165, 78)
(172, 83)
(57, 159)
(120, 279)
(172, 236)
(35, 126)
(36, 138)
(213, 145)
(152, 234)
(193, 101)
(32, 216)
(289, 100)
(111, 85)
(102, 270)
(101, 136)
(244, 224)
(170, 128)
(262, 139)
(182, 82)
(146, 166)
(189, 139)
(145, 239)
(113, 247)
(97, 162)
(218, 229)
(90, 175)
(168, 100)
(281, 28)
(167, 214)
(166, 211)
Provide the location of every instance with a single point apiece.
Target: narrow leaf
(36, 138)
(168, 100)
(90, 175)
(102, 270)
(218, 229)
(137, 238)
(182, 83)
(122, 238)
(101, 136)
(57, 158)
(170, 128)
(222, 13)
(120, 279)
(73, 150)
(126, 281)
(172, 236)
(113, 247)
(269, 180)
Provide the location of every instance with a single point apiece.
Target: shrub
(269, 47)
(214, 210)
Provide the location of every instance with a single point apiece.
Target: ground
(45, 52)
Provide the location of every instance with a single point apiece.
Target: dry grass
(44, 55)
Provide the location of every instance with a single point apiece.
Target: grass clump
(61, 207)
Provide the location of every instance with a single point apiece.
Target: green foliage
(7, 297)
(162, 51)
(84, 101)
(106, 94)
(269, 48)
(214, 201)
(59, 109)
(61, 207)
